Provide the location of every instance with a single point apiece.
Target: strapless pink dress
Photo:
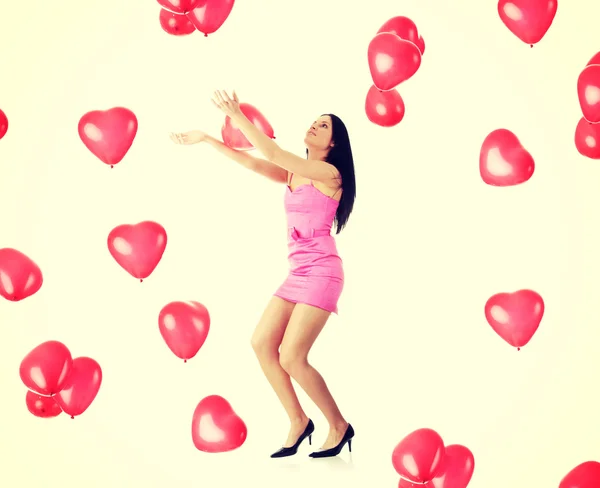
(316, 275)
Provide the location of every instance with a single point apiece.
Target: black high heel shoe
(334, 451)
(290, 451)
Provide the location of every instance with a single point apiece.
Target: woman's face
(319, 134)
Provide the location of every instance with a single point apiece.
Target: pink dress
(316, 275)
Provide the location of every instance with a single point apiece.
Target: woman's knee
(264, 346)
(292, 360)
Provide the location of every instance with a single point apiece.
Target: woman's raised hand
(190, 137)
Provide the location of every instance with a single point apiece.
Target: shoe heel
(350, 445)
(310, 440)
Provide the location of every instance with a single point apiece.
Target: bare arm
(311, 169)
(258, 165)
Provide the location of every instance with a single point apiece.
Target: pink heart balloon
(81, 387)
(588, 93)
(20, 277)
(457, 468)
(138, 248)
(234, 138)
(515, 316)
(419, 455)
(392, 60)
(184, 327)
(108, 134)
(209, 15)
(529, 20)
(42, 406)
(216, 427)
(503, 161)
(179, 6)
(44, 370)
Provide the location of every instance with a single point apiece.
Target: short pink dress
(316, 275)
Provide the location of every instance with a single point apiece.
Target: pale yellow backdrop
(428, 242)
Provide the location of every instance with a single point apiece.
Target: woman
(320, 190)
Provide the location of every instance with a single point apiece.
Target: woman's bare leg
(305, 325)
(266, 340)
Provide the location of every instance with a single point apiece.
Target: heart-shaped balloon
(233, 137)
(409, 484)
(81, 386)
(216, 427)
(42, 406)
(419, 455)
(3, 124)
(175, 24)
(179, 6)
(385, 109)
(421, 44)
(529, 20)
(44, 370)
(588, 92)
(108, 134)
(594, 60)
(138, 248)
(392, 60)
(515, 316)
(184, 326)
(210, 15)
(403, 27)
(457, 468)
(585, 475)
(587, 139)
(503, 161)
(20, 277)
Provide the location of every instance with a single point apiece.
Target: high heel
(334, 451)
(290, 451)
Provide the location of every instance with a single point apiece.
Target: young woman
(320, 191)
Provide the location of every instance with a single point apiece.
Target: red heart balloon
(46, 367)
(210, 15)
(184, 326)
(457, 468)
(108, 134)
(515, 316)
(138, 248)
(588, 92)
(385, 109)
(586, 475)
(234, 138)
(595, 59)
(392, 60)
(503, 161)
(529, 20)
(20, 277)
(216, 427)
(81, 387)
(179, 6)
(419, 455)
(408, 484)
(175, 24)
(3, 124)
(41, 406)
(421, 45)
(587, 139)
(403, 27)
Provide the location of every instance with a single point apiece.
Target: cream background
(428, 242)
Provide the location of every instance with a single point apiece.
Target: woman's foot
(297, 428)
(336, 434)
(294, 440)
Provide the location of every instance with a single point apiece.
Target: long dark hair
(340, 156)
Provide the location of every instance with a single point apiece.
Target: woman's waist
(301, 232)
